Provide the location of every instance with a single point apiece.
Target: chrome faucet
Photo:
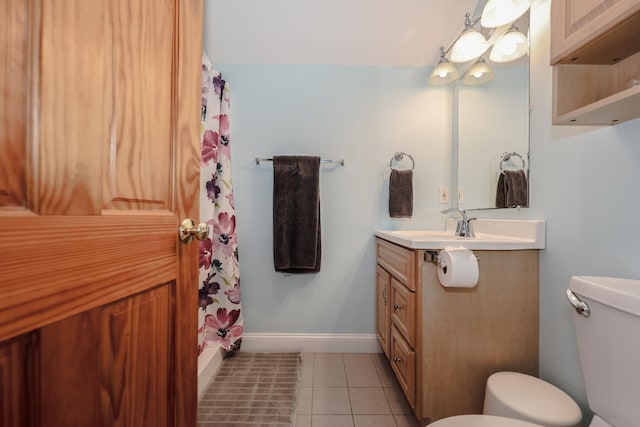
(464, 228)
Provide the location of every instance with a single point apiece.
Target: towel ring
(506, 156)
(399, 156)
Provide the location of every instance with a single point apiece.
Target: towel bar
(264, 159)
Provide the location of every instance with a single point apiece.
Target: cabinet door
(577, 23)
(383, 314)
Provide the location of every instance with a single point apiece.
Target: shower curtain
(220, 310)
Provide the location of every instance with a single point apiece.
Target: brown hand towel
(296, 214)
(401, 193)
(512, 189)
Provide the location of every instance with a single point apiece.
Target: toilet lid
(534, 399)
(481, 421)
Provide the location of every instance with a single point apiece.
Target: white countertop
(491, 234)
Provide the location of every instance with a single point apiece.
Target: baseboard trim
(209, 362)
(311, 343)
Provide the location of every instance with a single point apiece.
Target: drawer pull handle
(397, 307)
(397, 359)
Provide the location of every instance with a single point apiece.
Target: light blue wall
(584, 183)
(363, 115)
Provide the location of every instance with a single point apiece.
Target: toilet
(607, 322)
(513, 399)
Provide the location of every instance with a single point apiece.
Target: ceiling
(345, 32)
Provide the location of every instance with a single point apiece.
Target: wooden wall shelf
(596, 94)
(595, 54)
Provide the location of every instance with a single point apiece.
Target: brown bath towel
(401, 193)
(296, 214)
(512, 189)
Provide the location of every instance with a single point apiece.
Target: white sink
(491, 234)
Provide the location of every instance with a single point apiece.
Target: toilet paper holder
(432, 257)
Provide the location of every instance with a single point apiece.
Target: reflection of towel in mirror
(512, 189)
(296, 214)
(401, 193)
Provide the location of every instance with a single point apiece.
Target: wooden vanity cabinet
(445, 342)
(404, 276)
(595, 54)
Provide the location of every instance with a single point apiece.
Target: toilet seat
(481, 421)
(528, 398)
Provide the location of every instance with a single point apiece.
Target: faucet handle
(470, 232)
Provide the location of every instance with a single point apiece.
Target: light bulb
(444, 73)
(470, 45)
(511, 46)
(480, 74)
(501, 12)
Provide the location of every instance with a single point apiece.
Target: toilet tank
(609, 346)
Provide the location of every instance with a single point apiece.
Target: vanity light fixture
(501, 12)
(470, 44)
(444, 73)
(479, 74)
(511, 46)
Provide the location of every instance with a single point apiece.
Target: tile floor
(350, 390)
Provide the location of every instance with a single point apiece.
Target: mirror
(493, 124)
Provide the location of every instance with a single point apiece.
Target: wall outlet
(460, 194)
(443, 195)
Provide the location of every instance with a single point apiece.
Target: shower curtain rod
(339, 161)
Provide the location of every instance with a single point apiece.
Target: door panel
(70, 386)
(15, 372)
(99, 162)
(13, 111)
(110, 366)
(140, 157)
(74, 106)
(135, 354)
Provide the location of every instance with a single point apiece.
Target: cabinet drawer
(403, 363)
(400, 262)
(403, 312)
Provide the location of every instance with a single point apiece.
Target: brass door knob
(188, 229)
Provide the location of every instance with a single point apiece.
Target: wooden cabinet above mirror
(596, 59)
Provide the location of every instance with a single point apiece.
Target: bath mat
(252, 389)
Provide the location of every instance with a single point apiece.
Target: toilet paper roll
(458, 268)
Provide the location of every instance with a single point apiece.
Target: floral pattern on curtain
(220, 310)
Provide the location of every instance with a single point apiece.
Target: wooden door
(99, 162)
